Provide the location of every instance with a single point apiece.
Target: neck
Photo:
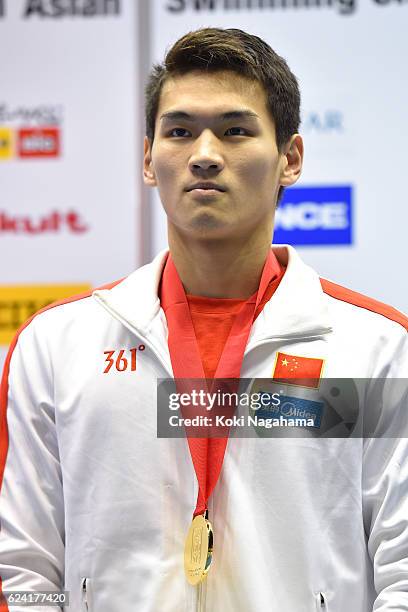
(219, 269)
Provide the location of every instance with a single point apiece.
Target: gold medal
(198, 550)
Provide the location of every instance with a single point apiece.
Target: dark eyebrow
(235, 114)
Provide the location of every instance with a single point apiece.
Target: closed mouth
(206, 186)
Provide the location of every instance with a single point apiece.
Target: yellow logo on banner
(6, 143)
(19, 302)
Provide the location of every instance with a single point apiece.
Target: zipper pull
(84, 593)
(322, 601)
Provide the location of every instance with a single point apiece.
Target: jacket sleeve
(31, 494)
(385, 488)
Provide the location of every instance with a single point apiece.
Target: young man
(92, 501)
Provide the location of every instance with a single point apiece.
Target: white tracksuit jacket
(93, 502)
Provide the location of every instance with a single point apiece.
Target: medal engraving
(198, 550)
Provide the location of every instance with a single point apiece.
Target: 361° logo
(123, 360)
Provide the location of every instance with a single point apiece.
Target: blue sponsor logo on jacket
(293, 408)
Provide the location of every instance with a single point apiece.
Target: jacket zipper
(199, 596)
(201, 592)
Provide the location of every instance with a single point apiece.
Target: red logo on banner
(38, 142)
(52, 222)
(302, 371)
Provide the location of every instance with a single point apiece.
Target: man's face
(214, 156)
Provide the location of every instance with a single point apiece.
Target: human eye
(178, 132)
(237, 131)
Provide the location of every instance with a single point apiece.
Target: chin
(207, 227)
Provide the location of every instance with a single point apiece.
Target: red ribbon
(207, 454)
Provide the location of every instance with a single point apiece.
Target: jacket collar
(298, 307)
(135, 299)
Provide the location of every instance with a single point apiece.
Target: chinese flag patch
(295, 370)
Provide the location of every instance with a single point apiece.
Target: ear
(292, 161)
(149, 176)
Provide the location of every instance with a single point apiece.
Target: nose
(206, 156)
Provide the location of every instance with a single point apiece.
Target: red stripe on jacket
(362, 301)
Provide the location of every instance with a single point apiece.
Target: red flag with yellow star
(302, 371)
